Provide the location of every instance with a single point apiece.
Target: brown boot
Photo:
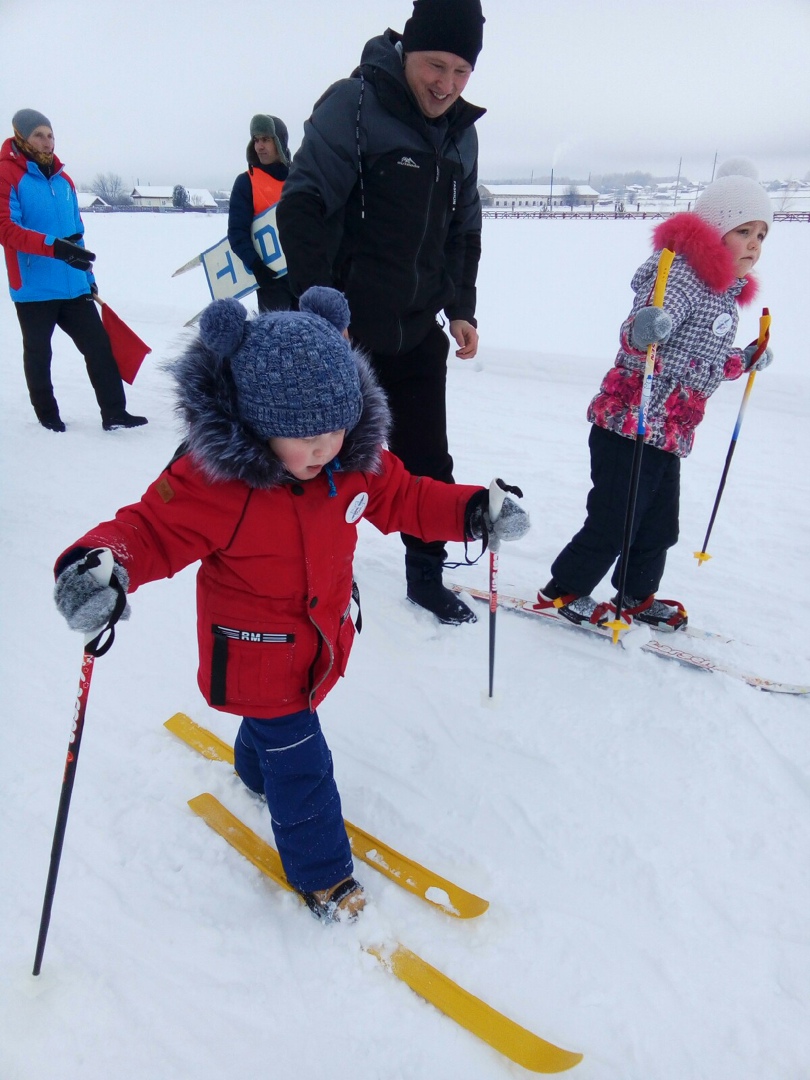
(343, 901)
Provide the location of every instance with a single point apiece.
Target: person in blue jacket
(50, 272)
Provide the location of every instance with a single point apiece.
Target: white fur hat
(736, 196)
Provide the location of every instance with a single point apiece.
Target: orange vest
(266, 190)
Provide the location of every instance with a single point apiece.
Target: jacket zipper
(424, 231)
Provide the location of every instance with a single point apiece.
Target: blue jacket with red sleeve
(34, 210)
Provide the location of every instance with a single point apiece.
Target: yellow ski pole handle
(762, 341)
(665, 260)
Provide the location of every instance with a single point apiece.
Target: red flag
(127, 347)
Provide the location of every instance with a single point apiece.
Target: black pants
(583, 563)
(81, 322)
(276, 296)
(415, 384)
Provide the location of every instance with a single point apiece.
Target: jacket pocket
(251, 665)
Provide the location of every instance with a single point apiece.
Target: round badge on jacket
(722, 324)
(357, 507)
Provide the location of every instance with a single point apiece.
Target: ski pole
(762, 344)
(497, 493)
(498, 490)
(101, 569)
(664, 263)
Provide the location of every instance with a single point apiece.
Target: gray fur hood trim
(227, 450)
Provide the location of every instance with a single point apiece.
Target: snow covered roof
(196, 196)
(538, 191)
(87, 199)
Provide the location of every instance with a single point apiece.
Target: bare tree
(110, 187)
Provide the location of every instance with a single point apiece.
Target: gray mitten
(651, 326)
(511, 524)
(759, 365)
(86, 603)
(494, 515)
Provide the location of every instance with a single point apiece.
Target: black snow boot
(121, 419)
(52, 421)
(423, 574)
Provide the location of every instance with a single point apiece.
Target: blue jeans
(287, 760)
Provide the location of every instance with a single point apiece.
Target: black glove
(94, 289)
(496, 517)
(78, 257)
(86, 603)
(263, 274)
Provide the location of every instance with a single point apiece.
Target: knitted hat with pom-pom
(295, 374)
(735, 197)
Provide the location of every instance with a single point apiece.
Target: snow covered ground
(640, 830)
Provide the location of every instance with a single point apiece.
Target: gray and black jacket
(383, 204)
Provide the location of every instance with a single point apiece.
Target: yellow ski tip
(701, 557)
(502, 1034)
(202, 740)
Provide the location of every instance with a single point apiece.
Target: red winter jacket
(275, 581)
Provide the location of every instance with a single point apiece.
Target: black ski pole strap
(101, 644)
(358, 622)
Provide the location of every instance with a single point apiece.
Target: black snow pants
(415, 385)
(584, 561)
(81, 322)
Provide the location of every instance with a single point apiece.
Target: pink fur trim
(749, 291)
(702, 246)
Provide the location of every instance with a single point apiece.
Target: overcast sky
(162, 91)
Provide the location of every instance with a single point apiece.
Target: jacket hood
(225, 449)
(701, 245)
(381, 64)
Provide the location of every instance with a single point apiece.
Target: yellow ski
(409, 875)
(498, 1031)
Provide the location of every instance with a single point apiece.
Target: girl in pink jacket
(716, 248)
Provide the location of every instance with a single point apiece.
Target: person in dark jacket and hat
(382, 202)
(254, 191)
(283, 457)
(50, 272)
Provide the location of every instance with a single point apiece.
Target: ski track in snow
(640, 830)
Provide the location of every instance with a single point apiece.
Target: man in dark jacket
(382, 203)
(254, 191)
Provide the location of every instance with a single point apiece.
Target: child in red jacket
(284, 456)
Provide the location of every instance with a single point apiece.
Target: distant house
(162, 197)
(88, 200)
(535, 196)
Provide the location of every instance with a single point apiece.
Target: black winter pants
(276, 296)
(81, 322)
(583, 563)
(415, 384)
